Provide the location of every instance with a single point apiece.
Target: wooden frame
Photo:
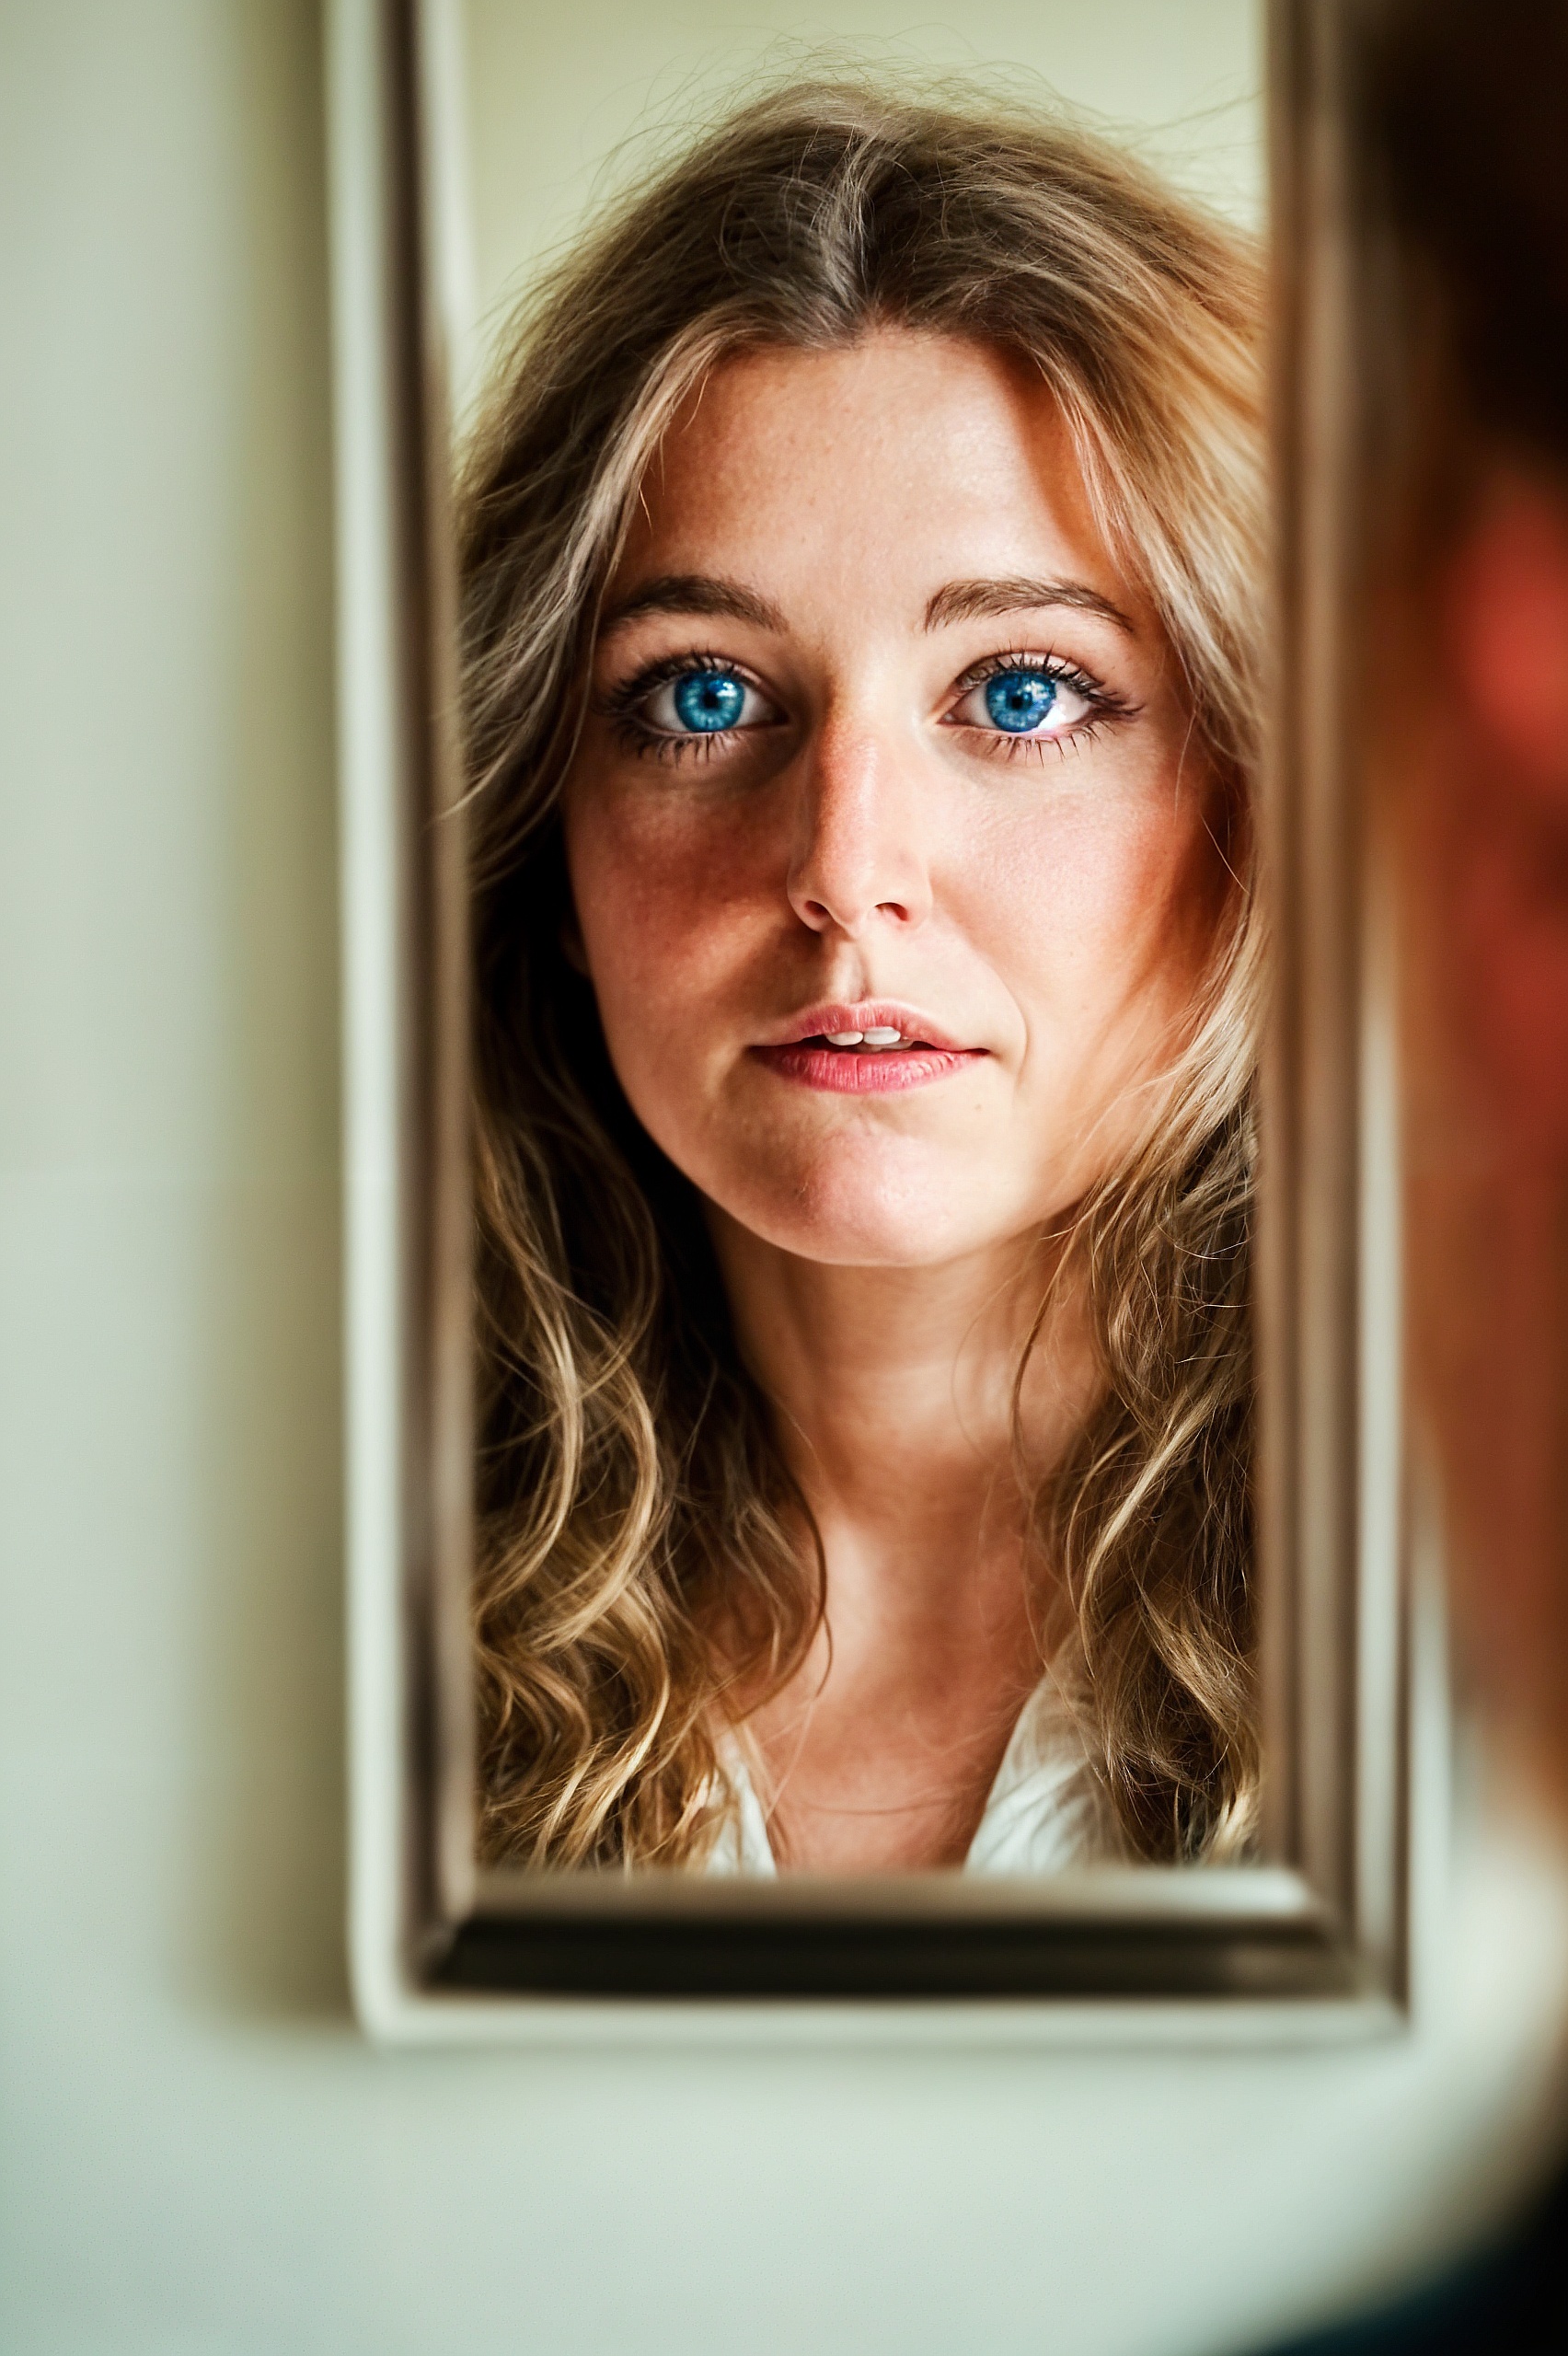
(1314, 1939)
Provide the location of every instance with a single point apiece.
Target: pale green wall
(199, 2156)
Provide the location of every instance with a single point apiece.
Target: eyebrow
(958, 601)
(693, 592)
(966, 601)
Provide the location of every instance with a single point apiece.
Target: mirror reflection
(861, 546)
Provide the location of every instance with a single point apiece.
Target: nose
(859, 857)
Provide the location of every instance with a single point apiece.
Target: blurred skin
(852, 553)
(1483, 754)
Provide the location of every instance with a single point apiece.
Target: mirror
(842, 1551)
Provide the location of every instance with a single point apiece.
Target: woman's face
(888, 840)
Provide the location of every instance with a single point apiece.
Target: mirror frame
(1317, 1935)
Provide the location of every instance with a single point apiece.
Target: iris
(1020, 701)
(706, 701)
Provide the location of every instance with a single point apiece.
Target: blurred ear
(1509, 621)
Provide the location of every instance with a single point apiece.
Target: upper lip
(865, 1014)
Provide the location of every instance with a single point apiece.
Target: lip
(868, 1014)
(840, 1071)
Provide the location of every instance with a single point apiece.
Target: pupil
(1020, 701)
(708, 700)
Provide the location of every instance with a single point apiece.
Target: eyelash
(1105, 706)
(622, 705)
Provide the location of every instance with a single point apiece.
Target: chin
(875, 1217)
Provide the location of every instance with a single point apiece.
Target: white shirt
(1043, 1813)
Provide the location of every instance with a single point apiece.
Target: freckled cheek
(1093, 909)
(668, 909)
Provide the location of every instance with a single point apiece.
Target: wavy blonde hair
(633, 1496)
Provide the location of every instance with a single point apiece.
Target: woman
(862, 558)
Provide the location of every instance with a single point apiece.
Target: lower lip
(841, 1071)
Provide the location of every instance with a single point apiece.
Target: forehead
(922, 456)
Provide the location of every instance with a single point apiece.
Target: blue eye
(1029, 696)
(707, 701)
(1019, 701)
(694, 701)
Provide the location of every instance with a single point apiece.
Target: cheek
(666, 900)
(1101, 905)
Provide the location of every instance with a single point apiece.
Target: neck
(894, 1388)
(894, 1395)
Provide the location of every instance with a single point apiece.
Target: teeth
(881, 1034)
